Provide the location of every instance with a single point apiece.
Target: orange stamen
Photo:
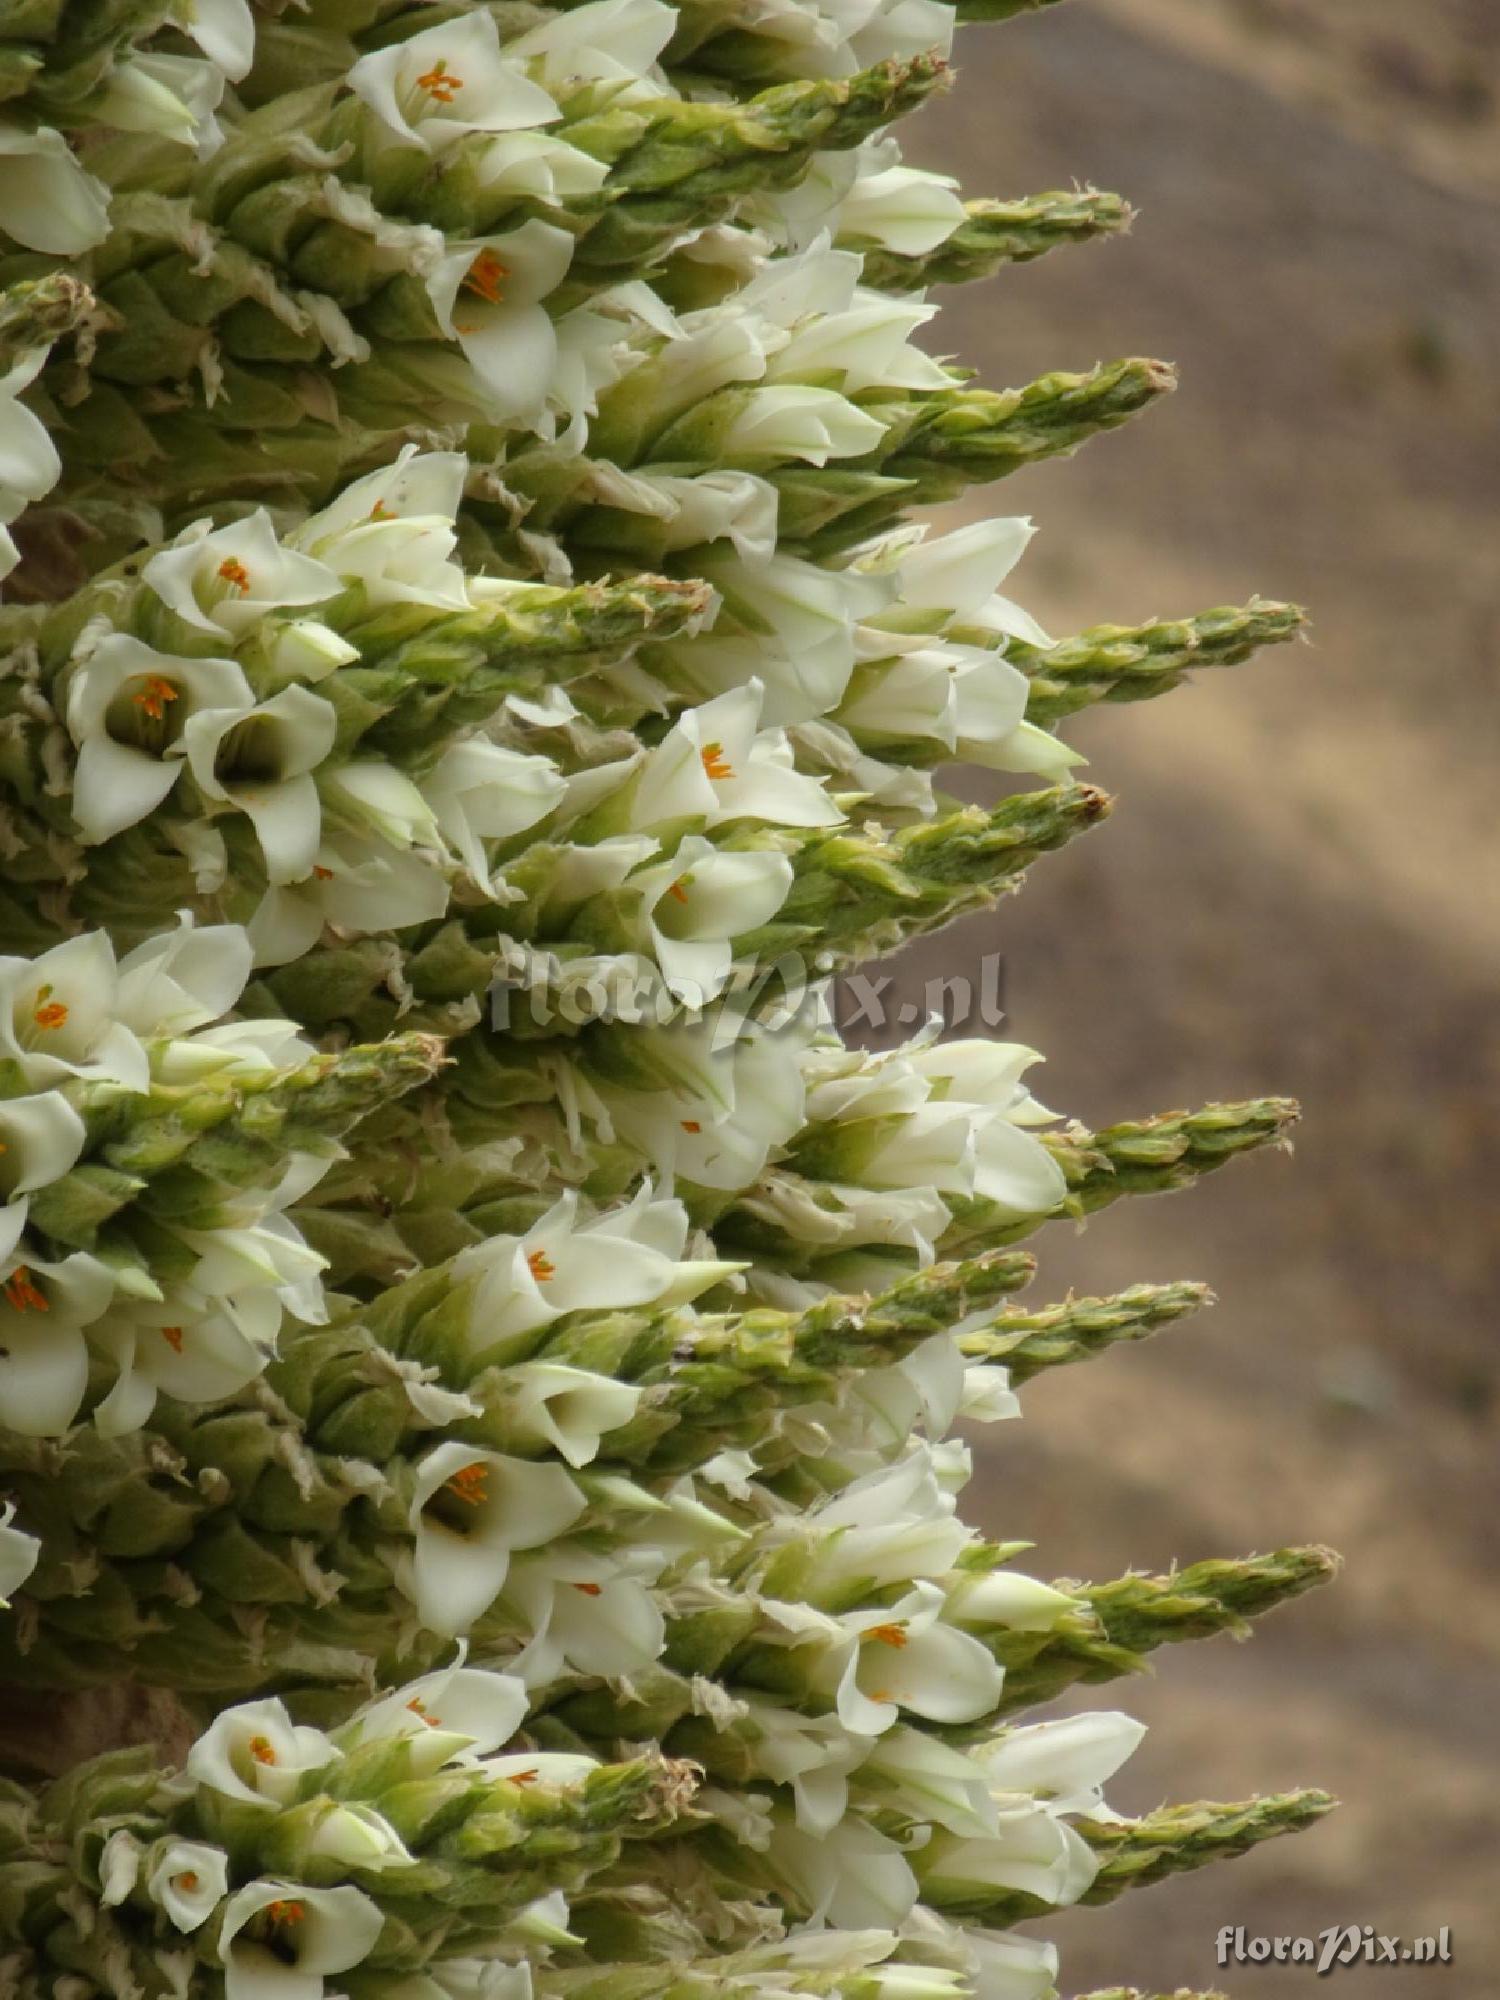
(285, 1913)
(485, 277)
(322, 874)
(172, 1335)
(678, 889)
(261, 1751)
(715, 763)
(154, 695)
(380, 512)
(540, 1265)
(889, 1635)
(235, 574)
(691, 1125)
(188, 1880)
(419, 1707)
(22, 1293)
(525, 1777)
(470, 1484)
(440, 83)
(590, 1589)
(50, 1013)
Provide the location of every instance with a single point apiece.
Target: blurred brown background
(1298, 892)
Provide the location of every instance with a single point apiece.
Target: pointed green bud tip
(36, 311)
(996, 233)
(1027, 1342)
(1135, 1854)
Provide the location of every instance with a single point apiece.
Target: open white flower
(722, 505)
(44, 1362)
(814, 1754)
(436, 87)
(851, 1876)
(469, 1511)
(281, 1940)
(906, 1657)
(694, 904)
(186, 1879)
(716, 765)
(128, 709)
(268, 1255)
(225, 31)
(392, 531)
(605, 41)
(41, 1137)
(868, 343)
(182, 979)
(625, 1256)
(51, 203)
(588, 1613)
(185, 1348)
(358, 884)
(457, 1714)
(1066, 1762)
(903, 209)
(171, 95)
(570, 1409)
(261, 762)
(225, 580)
(256, 1754)
(481, 791)
(1006, 1597)
(18, 1554)
(487, 295)
(924, 1779)
(793, 420)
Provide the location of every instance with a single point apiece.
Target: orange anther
(440, 82)
(470, 1484)
(261, 1751)
(678, 889)
(22, 1294)
(286, 1913)
(49, 1013)
(322, 874)
(525, 1777)
(235, 574)
(893, 1634)
(590, 1589)
(691, 1125)
(172, 1335)
(540, 1265)
(154, 695)
(715, 763)
(486, 276)
(188, 1880)
(419, 1707)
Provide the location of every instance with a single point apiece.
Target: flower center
(441, 85)
(590, 1589)
(49, 1013)
(470, 1484)
(154, 695)
(486, 277)
(260, 1749)
(418, 1708)
(187, 1880)
(691, 1125)
(22, 1294)
(233, 572)
(380, 512)
(540, 1265)
(285, 1914)
(715, 763)
(525, 1777)
(172, 1335)
(893, 1634)
(678, 890)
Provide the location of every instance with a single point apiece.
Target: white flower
(186, 1879)
(902, 209)
(606, 41)
(437, 86)
(18, 1553)
(174, 96)
(481, 791)
(255, 1753)
(358, 884)
(44, 1363)
(1065, 1762)
(904, 1656)
(225, 580)
(127, 710)
(487, 295)
(280, 1940)
(375, 797)
(1006, 1967)
(593, 1614)
(41, 1138)
(51, 204)
(725, 504)
(868, 344)
(1031, 1850)
(886, 1527)
(184, 1348)
(715, 765)
(1005, 1597)
(458, 1714)
(554, 1769)
(792, 420)
(29, 464)
(225, 31)
(814, 1754)
(927, 1781)
(694, 904)
(268, 1254)
(623, 1257)
(469, 1511)
(261, 762)
(392, 532)
(182, 979)
(570, 1409)
(711, 1109)
(357, 1836)
(851, 1876)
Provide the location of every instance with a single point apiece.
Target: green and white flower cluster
(473, 670)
